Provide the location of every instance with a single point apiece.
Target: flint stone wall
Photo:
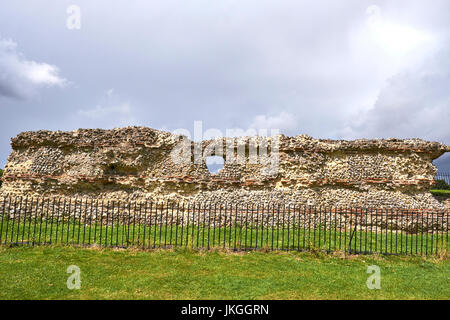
(136, 163)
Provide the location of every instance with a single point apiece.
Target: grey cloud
(414, 103)
(302, 66)
(20, 77)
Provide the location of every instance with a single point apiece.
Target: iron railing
(443, 176)
(111, 223)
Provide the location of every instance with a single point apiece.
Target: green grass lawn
(40, 273)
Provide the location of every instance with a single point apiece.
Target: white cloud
(111, 111)
(19, 77)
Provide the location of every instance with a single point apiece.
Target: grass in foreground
(40, 273)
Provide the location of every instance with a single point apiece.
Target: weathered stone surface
(135, 163)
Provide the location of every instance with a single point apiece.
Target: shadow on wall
(443, 163)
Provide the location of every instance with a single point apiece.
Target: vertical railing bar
(182, 224)
(426, 242)
(402, 226)
(365, 231)
(273, 221)
(108, 209)
(95, 221)
(171, 221)
(120, 221)
(432, 232)
(421, 235)
(128, 222)
(215, 225)
(40, 222)
(51, 222)
(3, 217)
(161, 212)
(413, 215)
(335, 227)
(204, 224)
(176, 224)
(112, 221)
(304, 226)
(84, 220)
(90, 221)
(292, 247)
(315, 226)
(144, 223)
(18, 222)
(29, 224)
(149, 245)
(340, 226)
(74, 221)
(198, 223)
(345, 229)
(13, 219)
(57, 220)
(135, 212)
(267, 213)
(101, 221)
(35, 221)
(231, 225)
(193, 224)
(246, 221)
(150, 225)
(361, 233)
(278, 223)
(320, 225)
(235, 226)
(62, 214)
(220, 225)
(299, 226)
(81, 217)
(224, 224)
(283, 224)
(437, 232)
(371, 230)
(260, 214)
(68, 223)
(417, 233)
(209, 223)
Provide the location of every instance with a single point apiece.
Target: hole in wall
(215, 163)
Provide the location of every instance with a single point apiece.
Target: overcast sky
(331, 69)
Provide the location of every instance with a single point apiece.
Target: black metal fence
(95, 222)
(443, 176)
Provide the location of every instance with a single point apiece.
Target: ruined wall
(137, 163)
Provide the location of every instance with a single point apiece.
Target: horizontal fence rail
(109, 223)
(443, 176)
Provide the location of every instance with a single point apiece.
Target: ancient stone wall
(140, 163)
